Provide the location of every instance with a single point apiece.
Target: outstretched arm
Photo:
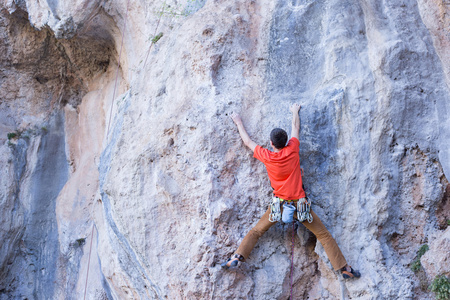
(295, 108)
(242, 132)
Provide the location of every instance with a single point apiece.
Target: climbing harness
(304, 210)
(275, 210)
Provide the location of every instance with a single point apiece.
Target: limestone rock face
(123, 176)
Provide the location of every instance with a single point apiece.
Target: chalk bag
(288, 213)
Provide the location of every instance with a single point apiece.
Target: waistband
(283, 200)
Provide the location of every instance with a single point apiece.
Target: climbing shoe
(352, 274)
(233, 261)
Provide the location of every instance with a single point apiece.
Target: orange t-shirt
(283, 168)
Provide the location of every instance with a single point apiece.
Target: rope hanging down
(107, 132)
(154, 34)
(118, 67)
(89, 261)
(292, 256)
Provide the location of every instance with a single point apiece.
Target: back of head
(279, 138)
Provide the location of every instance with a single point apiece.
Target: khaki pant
(329, 244)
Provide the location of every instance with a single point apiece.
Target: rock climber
(283, 168)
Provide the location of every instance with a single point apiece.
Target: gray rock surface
(133, 183)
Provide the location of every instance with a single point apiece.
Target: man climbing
(283, 168)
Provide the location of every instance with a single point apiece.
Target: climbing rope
(107, 133)
(118, 67)
(156, 29)
(292, 257)
(89, 260)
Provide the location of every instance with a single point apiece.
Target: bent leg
(249, 241)
(329, 244)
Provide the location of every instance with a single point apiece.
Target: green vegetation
(80, 242)
(26, 133)
(441, 287)
(180, 10)
(193, 5)
(12, 135)
(157, 37)
(416, 265)
(169, 10)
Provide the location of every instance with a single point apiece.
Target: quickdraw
(275, 210)
(304, 210)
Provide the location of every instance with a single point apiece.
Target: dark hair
(279, 138)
